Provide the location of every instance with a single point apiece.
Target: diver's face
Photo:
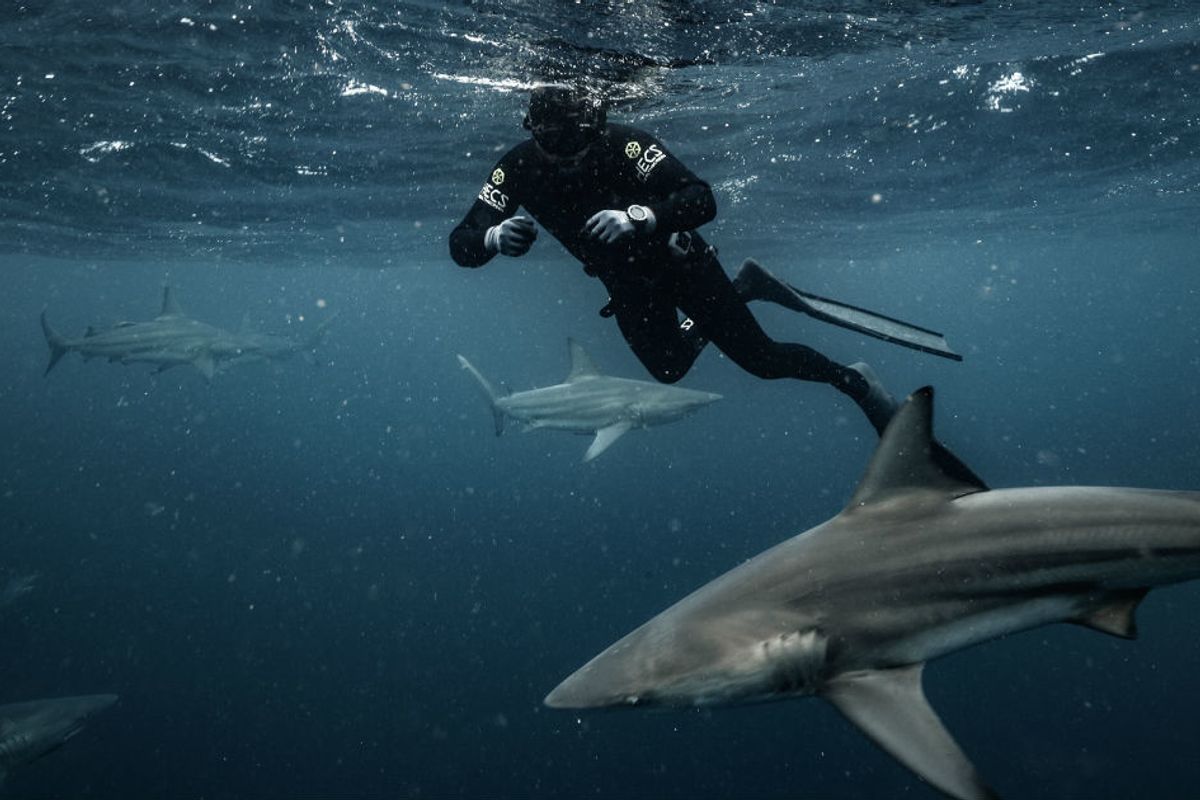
(564, 161)
(565, 137)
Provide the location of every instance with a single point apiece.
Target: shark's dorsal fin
(889, 706)
(170, 306)
(581, 363)
(1116, 616)
(908, 457)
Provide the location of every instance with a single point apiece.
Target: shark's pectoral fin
(889, 706)
(205, 363)
(1116, 615)
(604, 439)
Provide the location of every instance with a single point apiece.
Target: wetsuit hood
(564, 121)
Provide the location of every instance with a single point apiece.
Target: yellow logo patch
(633, 149)
(497, 177)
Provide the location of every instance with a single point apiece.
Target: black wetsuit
(650, 278)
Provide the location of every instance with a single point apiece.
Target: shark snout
(94, 704)
(568, 695)
(609, 679)
(583, 689)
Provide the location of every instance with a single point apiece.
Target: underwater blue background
(334, 581)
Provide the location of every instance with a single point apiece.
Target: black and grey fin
(58, 345)
(890, 707)
(908, 458)
(605, 437)
(170, 306)
(581, 363)
(489, 393)
(1116, 615)
(754, 282)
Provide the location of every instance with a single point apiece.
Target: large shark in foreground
(172, 339)
(921, 563)
(30, 730)
(589, 402)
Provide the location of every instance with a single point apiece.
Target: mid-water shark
(34, 728)
(173, 339)
(591, 402)
(924, 560)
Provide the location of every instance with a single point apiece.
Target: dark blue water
(333, 580)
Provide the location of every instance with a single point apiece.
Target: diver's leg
(650, 324)
(710, 298)
(754, 282)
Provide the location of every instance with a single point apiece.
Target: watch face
(636, 213)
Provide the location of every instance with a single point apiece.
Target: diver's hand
(609, 226)
(513, 237)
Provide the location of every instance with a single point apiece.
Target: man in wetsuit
(618, 201)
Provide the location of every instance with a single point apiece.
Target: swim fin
(754, 282)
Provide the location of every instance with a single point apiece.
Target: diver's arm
(468, 241)
(686, 208)
(489, 226)
(679, 199)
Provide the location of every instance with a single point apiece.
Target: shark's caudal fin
(488, 392)
(908, 458)
(170, 306)
(315, 339)
(581, 363)
(889, 706)
(58, 345)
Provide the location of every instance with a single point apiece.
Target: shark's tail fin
(310, 344)
(58, 345)
(488, 391)
(319, 334)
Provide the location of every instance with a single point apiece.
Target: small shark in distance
(590, 402)
(922, 562)
(173, 339)
(250, 345)
(30, 730)
(14, 587)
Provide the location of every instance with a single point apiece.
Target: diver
(624, 206)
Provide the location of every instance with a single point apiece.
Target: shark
(923, 561)
(16, 586)
(174, 339)
(32, 729)
(591, 402)
(249, 345)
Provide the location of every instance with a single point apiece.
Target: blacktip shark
(32, 729)
(251, 345)
(173, 339)
(591, 402)
(922, 562)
